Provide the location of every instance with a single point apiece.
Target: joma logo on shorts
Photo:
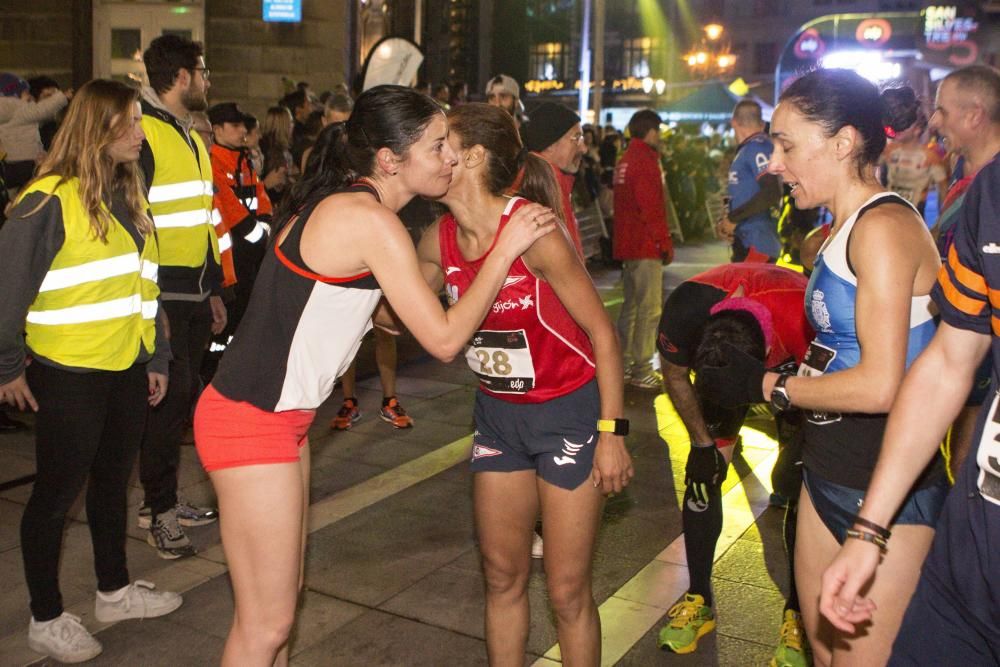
(570, 450)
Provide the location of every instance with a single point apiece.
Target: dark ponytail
(392, 117)
(510, 168)
(836, 98)
(902, 110)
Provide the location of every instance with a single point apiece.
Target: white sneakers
(137, 600)
(65, 638)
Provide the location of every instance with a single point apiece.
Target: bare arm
(677, 380)
(384, 246)
(889, 257)
(556, 261)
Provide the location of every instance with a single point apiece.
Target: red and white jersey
(528, 349)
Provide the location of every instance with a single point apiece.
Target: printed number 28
(501, 362)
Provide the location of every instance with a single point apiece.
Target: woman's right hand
(16, 392)
(528, 224)
(850, 572)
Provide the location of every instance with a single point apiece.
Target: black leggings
(88, 431)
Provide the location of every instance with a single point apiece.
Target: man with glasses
(179, 178)
(554, 132)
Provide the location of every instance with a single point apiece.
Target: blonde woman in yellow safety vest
(81, 346)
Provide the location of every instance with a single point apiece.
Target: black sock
(788, 533)
(702, 527)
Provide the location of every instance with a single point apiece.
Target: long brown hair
(276, 127)
(99, 114)
(511, 169)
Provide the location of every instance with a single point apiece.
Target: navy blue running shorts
(838, 505)
(556, 438)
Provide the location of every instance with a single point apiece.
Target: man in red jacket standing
(642, 242)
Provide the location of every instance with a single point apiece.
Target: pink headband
(760, 313)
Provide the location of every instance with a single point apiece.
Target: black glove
(737, 382)
(705, 465)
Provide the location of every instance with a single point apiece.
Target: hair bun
(902, 109)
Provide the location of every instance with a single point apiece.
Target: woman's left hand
(612, 464)
(157, 387)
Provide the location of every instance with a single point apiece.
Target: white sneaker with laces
(137, 600)
(63, 638)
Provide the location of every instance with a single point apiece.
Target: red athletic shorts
(230, 434)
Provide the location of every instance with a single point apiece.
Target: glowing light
(726, 61)
(713, 31)
(385, 51)
(701, 57)
(868, 64)
(647, 84)
(661, 85)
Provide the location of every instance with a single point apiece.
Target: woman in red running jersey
(550, 367)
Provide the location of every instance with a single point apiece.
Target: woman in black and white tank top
(339, 250)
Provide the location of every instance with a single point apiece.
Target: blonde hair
(99, 115)
(277, 127)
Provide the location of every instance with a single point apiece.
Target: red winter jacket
(641, 230)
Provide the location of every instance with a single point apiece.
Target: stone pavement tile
(318, 616)
(157, 642)
(454, 409)
(14, 612)
(385, 450)
(207, 608)
(329, 475)
(450, 597)
(373, 555)
(714, 649)
(748, 612)
(746, 562)
(10, 525)
(15, 466)
(638, 538)
(375, 639)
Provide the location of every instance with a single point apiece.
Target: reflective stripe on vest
(96, 306)
(259, 231)
(180, 195)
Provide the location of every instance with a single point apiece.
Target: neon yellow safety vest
(97, 303)
(180, 196)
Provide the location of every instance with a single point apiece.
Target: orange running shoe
(393, 413)
(346, 416)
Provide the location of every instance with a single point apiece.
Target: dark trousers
(190, 331)
(88, 431)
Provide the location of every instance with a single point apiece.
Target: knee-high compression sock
(788, 533)
(701, 517)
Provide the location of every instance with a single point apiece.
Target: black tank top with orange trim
(301, 329)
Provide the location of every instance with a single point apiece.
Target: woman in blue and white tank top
(868, 300)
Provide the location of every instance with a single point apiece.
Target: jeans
(190, 331)
(88, 431)
(640, 314)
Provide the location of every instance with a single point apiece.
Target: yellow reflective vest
(97, 303)
(180, 196)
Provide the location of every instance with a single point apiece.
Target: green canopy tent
(711, 103)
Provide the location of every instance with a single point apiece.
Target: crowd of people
(157, 245)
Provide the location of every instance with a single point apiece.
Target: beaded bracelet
(865, 536)
(884, 533)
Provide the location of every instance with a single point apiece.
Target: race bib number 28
(502, 360)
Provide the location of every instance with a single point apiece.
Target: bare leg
(506, 504)
(347, 384)
(569, 523)
(385, 359)
(891, 589)
(264, 553)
